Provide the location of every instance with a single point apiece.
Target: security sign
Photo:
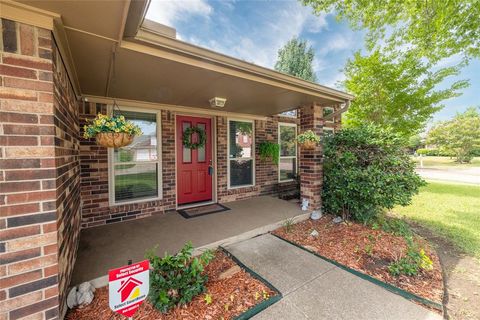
(127, 287)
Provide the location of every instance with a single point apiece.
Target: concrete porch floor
(111, 246)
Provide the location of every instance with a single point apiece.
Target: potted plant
(269, 150)
(111, 132)
(308, 139)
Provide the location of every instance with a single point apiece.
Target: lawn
(445, 162)
(452, 210)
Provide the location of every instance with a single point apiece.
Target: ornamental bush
(176, 279)
(366, 170)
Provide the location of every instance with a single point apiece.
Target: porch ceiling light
(217, 102)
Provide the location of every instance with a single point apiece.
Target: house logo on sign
(128, 287)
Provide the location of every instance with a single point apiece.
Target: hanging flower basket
(308, 145)
(111, 132)
(113, 139)
(308, 139)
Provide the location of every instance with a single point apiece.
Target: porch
(106, 247)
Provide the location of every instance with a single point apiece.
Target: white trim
(159, 161)
(287, 124)
(252, 157)
(213, 129)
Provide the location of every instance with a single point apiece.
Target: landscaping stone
(314, 233)
(81, 296)
(337, 220)
(229, 273)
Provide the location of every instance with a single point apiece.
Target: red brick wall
(28, 214)
(94, 176)
(311, 166)
(67, 164)
(94, 171)
(39, 180)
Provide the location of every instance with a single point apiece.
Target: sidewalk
(315, 289)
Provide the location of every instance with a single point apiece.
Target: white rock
(337, 219)
(72, 298)
(86, 286)
(314, 233)
(84, 298)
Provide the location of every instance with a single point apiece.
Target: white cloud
(269, 35)
(171, 12)
(338, 42)
(333, 80)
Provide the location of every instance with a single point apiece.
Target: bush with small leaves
(365, 171)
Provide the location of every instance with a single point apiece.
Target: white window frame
(111, 163)
(329, 129)
(333, 110)
(252, 155)
(287, 124)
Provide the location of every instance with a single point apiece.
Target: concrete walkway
(315, 289)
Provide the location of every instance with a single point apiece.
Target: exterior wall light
(217, 102)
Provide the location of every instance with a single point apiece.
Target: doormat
(202, 211)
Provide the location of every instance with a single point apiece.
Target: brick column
(311, 176)
(39, 175)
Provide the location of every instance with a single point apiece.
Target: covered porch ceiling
(114, 54)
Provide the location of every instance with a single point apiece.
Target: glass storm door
(194, 177)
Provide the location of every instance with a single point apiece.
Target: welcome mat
(202, 211)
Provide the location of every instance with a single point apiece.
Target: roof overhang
(114, 53)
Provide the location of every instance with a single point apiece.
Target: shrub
(365, 171)
(176, 279)
(411, 263)
(434, 152)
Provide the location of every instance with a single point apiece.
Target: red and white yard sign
(127, 287)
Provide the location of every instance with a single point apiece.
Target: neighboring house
(62, 62)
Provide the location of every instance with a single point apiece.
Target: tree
(396, 90)
(460, 136)
(366, 170)
(434, 28)
(296, 59)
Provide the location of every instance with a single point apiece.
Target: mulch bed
(230, 298)
(369, 251)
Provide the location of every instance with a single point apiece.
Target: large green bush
(176, 279)
(366, 170)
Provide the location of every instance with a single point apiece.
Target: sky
(254, 31)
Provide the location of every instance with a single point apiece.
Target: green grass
(445, 162)
(451, 210)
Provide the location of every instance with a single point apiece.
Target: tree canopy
(459, 136)
(296, 59)
(396, 90)
(434, 28)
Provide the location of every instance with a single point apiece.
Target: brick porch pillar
(311, 174)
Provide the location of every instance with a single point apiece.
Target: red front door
(194, 179)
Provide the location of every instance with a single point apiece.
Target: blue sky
(255, 30)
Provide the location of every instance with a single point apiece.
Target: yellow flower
(117, 130)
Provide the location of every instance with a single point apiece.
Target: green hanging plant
(269, 150)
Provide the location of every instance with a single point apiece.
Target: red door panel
(194, 183)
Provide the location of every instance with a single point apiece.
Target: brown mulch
(369, 251)
(230, 298)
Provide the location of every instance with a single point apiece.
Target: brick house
(62, 63)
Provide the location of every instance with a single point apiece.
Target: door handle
(210, 168)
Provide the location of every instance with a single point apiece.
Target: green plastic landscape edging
(262, 305)
(389, 287)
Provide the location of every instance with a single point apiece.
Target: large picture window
(136, 168)
(241, 153)
(287, 134)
